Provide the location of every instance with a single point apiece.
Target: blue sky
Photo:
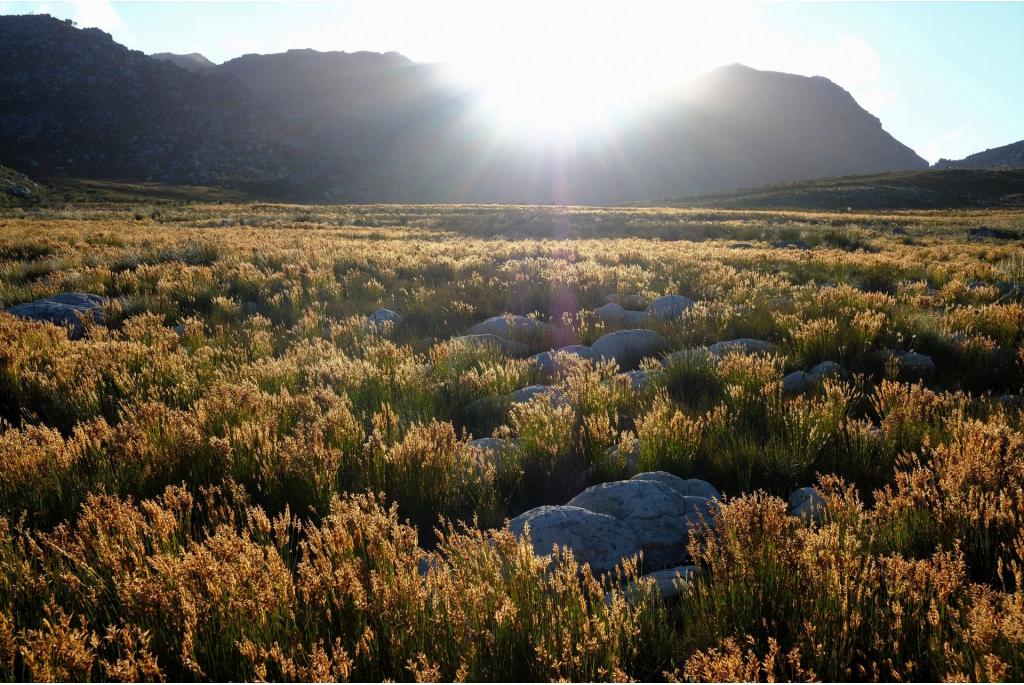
(946, 78)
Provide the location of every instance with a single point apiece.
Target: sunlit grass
(260, 493)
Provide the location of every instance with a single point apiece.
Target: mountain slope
(192, 61)
(77, 103)
(929, 189)
(1006, 157)
(372, 127)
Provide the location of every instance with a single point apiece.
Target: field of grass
(232, 477)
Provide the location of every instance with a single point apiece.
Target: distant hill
(192, 61)
(932, 189)
(1006, 157)
(17, 189)
(369, 127)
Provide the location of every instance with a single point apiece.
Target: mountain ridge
(1009, 156)
(377, 127)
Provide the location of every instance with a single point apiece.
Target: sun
(559, 70)
(557, 88)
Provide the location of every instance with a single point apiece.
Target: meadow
(233, 477)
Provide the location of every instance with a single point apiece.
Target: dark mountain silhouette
(1006, 157)
(192, 61)
(378, 127)
(77, 103)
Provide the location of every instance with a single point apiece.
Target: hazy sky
(947, 79)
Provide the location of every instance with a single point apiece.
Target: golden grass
(260, 497)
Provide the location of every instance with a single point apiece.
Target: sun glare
(553, 73)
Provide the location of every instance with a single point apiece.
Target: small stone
(64, 309)
(508, 347)
(671, 581)
(829, 369)
(385, 316)
(915, 364)
(557, 396)
(610, 314)
(669, 307)
(548, 362)
(638, 380)
(808, 504)
(790, 245)
(797, 383)
(632, 302)
(629, 456)
(741, 345)
(629, 347)
(513, 327)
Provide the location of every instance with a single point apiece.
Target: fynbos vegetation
(230, 473)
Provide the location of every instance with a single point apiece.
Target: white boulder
(659, 517)
(594, 538)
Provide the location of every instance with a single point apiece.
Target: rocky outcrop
(650, 513)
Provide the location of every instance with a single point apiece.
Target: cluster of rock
(652, 514)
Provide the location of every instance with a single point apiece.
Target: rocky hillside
(77, 103)
(192, 61)
(1006, 157)
(378, 127)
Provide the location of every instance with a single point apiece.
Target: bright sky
(945, 78)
